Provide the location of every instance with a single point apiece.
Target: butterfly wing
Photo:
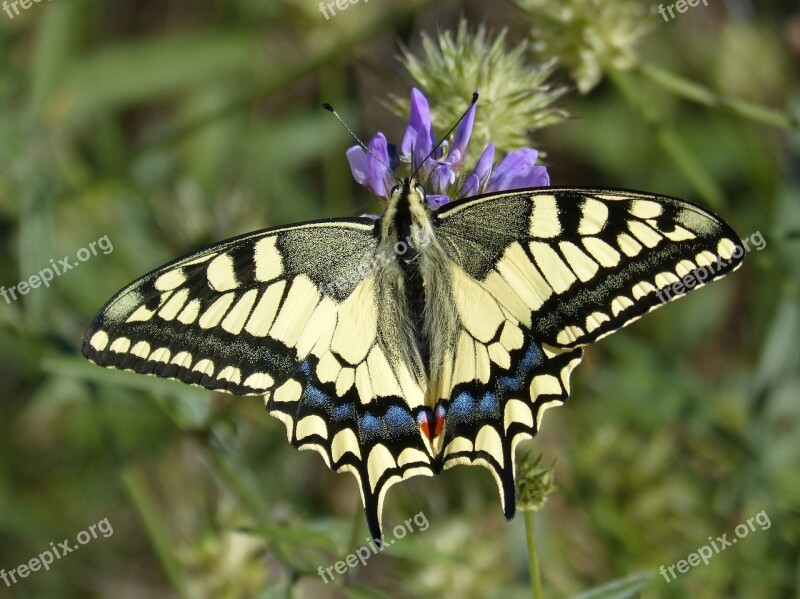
(538, 274)
(291, 313)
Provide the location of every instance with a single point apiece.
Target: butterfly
(422, 340)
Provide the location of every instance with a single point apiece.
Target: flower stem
(694, 92)
(533, 558)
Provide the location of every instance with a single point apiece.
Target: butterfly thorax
(414, 278)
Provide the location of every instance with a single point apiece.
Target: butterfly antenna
(331, 109)
(453, 128)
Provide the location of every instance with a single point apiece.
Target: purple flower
(439, 173)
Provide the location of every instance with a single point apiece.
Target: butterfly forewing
(575, 265)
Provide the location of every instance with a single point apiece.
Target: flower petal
(442, 178)
(418, 140)
(436, 201)
(457, 152)
(518, 170)
(475, 182)
(368, 171)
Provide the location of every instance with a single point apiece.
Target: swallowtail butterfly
(425, 339)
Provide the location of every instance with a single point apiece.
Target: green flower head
(589, 37)
(516, 98)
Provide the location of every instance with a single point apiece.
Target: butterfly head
(407, 215)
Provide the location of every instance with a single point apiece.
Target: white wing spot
(161, 354)
(345, 441)
(259, 380)
(174, 304)
(221, 275)
(594, 215)
(141, 349)
(204, 366)
(725, 248)
(645, 209)
(642, 290)
(606, 255)
(235, 320)
(517, 411)
(264, 313)
(544, 217)
(583, 266)
(311, 425)
(170, 280)
(499, 355)
(141, 314)
(595, 320)
(230, 373)
(190, 313)
(269, 263)
(644, 233)
(545, 384)
(620, 304)
(120, 345)
(628, 245)
(679, 234)
(665, 279)
(99, 340)
(289, 391)
(569, 334)
(558, 274)
(216, 311)
(345, 380)
(182, 359)
(684, 267)
(706, 258)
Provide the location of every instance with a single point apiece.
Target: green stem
(533, 558)
(670, 142)
(694, 92)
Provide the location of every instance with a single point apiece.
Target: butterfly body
(423, 340)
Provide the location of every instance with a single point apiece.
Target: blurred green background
(169, 125)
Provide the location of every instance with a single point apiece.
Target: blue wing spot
(509, 383)
(369, 426)
(533, 357)
(315, 397)
(400, 420)
(488, 405)
(305, 368)
(461, 408)
(343, 412)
